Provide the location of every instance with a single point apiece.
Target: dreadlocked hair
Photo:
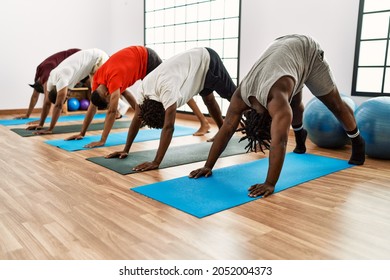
(152, 113)
(257, 128)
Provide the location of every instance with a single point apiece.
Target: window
(173, 26)
(371, 75)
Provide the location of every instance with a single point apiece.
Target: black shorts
(218, 78)
(153, 60)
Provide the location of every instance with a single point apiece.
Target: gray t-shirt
(297, 56)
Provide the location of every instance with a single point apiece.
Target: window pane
(149, 20)
(169, 3)
(231, 27)
(169, 34)
(204, 11)
(201, 105)
(169, 17)
(180, 33)
(159, 48)
(169, 50)
(372, 53)
(179, 2)
(217, 29)
(375, 5)
(159, 35)
(230, 48)
(217, 9)
(191, 44)
(149, 36)
(388, 55)
(191, 13)
(173, 26)
(231, 8)
(180, 15)
(204, 30)
(159, 18)
(149, 5)
(231, 67)
(217, 45)
(375, 26)
(158, 4)
(224, 106)
(180, 47)
(387, 81)
(369, 80)
(191, 31)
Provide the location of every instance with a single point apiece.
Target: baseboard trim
(18, 111)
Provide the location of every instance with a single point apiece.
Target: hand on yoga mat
(34, 127)
(149, 165)
(117, 155)
(22, 117)
(204, 171)
(75, 137)
(43, 132)
(95, 144)
(261, 189)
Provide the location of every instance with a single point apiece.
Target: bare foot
(118, 115)
(204, 128)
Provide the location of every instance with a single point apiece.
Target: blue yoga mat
(69, 118)
(115, 139)
(228, 187)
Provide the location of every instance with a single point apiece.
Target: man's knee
(208, 99)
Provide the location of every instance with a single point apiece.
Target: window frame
(386, 65)
(236, 78)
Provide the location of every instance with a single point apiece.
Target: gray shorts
(320, 81)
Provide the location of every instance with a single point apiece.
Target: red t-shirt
(122, 69)
(44, 69)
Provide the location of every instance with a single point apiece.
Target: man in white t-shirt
(171, 85)
(66, 75)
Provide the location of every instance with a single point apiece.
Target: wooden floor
(56, 205)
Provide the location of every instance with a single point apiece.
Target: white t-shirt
(177, 79)
(75, 68)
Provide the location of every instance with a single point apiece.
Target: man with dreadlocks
(272, 90)
(170, 86)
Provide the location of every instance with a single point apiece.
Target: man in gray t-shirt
(270, 97)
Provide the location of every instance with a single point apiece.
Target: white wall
(127, 24)
(333, 23)
(31, 30)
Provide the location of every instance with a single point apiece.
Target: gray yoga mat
(71, 128)
(175, 156)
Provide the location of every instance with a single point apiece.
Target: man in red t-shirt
(42, 74)
(112, 79)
